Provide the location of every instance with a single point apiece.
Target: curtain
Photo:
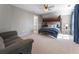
(76, 23)
(72, 24)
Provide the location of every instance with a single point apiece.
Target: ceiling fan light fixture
(45, 8)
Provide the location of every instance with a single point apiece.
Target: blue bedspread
(50, 31)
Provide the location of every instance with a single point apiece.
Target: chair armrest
(13, 47)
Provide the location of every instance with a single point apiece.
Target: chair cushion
(11, 40)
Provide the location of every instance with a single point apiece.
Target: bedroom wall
(13, 18)
(40, 19)
(66, 21)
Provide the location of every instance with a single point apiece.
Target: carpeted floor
(49, 45)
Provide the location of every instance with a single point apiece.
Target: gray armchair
(14, 44)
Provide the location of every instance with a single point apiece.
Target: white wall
(40, 19)
(13, 18)
(65, 21)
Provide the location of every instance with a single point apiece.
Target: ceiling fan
(47, 7)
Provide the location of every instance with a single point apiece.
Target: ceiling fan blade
(51, 6)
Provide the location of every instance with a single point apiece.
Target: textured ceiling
(58, 9)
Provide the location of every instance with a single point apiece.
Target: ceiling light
(45, 7)
(45, 10)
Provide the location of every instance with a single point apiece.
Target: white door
(35, 28)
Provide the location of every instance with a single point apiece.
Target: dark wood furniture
(49, 20)
(52, 19)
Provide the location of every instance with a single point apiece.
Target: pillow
(1, 43)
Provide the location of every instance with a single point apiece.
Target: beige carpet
(48, 45)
